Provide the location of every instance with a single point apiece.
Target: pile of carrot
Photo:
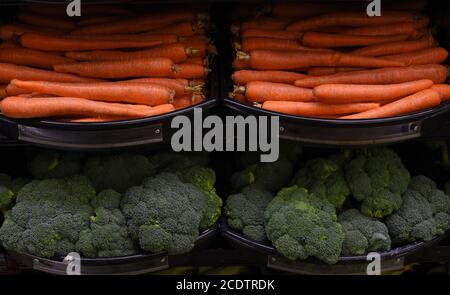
(331, 60)
(110, 64)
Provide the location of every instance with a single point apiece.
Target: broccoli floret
(8, 190)
(301, 225)
(52, 164)
(377, 178)
(48, 216)
(173, 162)
(363, 234)
(118, 172)
(270, 176)
(204, 179)
(425, 212)
(164, 213)
(245, 211)
(324, 177)
(109, 199)
(107, 236)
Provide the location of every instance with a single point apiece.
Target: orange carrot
(322, 71)
(353, 19)
(177, 52)
(435, 55)
(3, 90)
(195, 60)
(138, 24)
(443, 89)
(200, 44)
(155, 67)
(188, 71)
(405, 28)
(245, 76)
(419, 101)
(258, 91)
(249, 44)
(181, 87)
(130, 92)
(164, 38)
(326, 40)
(9, 72)
(10, 31)
(240, 64)
(288, 60)
(41, 107)
(180, 29)
(29, 57)
(46, 22)
(348, 93)
(238, 97)
(9, 44)
(13, 90)
(50, 43)
(317, 108)
(182, 102)
(436, 73)
(263, 33)
(396, 47)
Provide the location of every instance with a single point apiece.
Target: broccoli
(363, 234)
(53, 164)
(9, 189)
(164, 213)
(173, 162)
(204, 179)
(117, 172)
(107, 236)
(301, 225)
(377, 178)
(48, 216)
(324, 177)
(109, 199)
(425, 212)
(245, 211)
(270, 176)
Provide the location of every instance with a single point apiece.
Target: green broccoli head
(301, 225)
(324, 177)
(48, 216)
(204, 179)
(425, 212)
(363, 234)
(173, 162)
(8, 190)
(118, 172)
(164, 213)
(107, 236)
(53, 164)
(245, 211)
(270, 176)
(377, 178)
(109, 199)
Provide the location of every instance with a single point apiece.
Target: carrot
(13, 90)
(164, 38)
(138, 24)
(9, 44)
(263, 33)
(317, 108)
(188, 71)
(130, 92)
(434, 55)
(3, 90)
(29, 57)
(184, 29)
(249, 44)
(325, 40)
(10, 31)
(240, 64)
(245, 76)
(181, 87)
(322, 71)
(436, 73)
(288, 60)
(200, 44)
(182, 102)
(40, 107)
(195, 60)
(177, 52)
(396, 47)
(155, 67)
(348, 93)
(50, 43)
(405, 28)
(148, 111)
(238, 97)
(267, 23)
(257, 91)
(352, 19)
(9, 72)
(443, 89)
(46, 22)
(419, 101)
